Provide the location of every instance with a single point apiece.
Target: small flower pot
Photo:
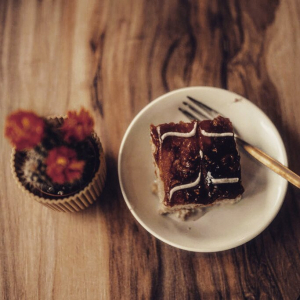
(72, 202)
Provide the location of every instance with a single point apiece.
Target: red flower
(77, 126)
(63, 166)
(24, 129)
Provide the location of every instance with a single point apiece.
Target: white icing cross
(209, 178)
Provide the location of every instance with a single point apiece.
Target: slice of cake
(196, 164)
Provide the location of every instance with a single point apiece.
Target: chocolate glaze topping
(180, 162)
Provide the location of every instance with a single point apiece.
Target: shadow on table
(111, 199)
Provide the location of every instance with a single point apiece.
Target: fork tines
(202, 111)
(203, 106)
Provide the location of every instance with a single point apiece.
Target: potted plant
(58, 162)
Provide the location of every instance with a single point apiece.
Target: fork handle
(271, 163)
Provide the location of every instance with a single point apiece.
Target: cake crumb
(238, 99)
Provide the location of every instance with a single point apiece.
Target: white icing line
(179, 134)
(185, 186)
(158, 132)
(224, 180)
(213, 134)
(201, 154)
(212, 180)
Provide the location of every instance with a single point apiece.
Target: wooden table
(114, 57)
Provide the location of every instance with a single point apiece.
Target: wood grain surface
(114, 57)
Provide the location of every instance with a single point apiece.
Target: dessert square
(196, 164)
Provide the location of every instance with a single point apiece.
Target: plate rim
(140, 221)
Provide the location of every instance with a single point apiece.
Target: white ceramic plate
(223, 227)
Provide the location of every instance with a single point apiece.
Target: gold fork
(203, 111)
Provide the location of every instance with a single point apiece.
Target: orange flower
(24, 129)
(77, 126)
(63, 166)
